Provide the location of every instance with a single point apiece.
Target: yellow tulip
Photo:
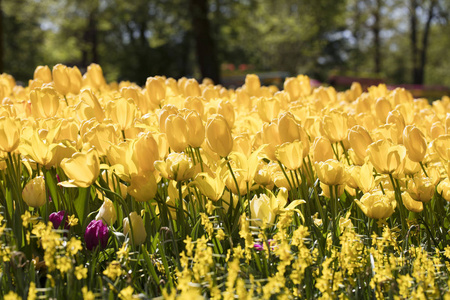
(211, 187)
(290, 154)
(164, 113)
(177, 132)
(359, 140)
(75, 80)
(155, 90)
(376, 205)
(88, 97)
(34, 192)
(364, 178)
(262, 176)
(82, 169)
(122, 111)
(102, 136)
(322, 149)
(226, 109)
(143, 186)
(107, 212)
(268, 108)
(261, 211)
(385, 156)
(242, 144)
(43, 73)
(218, 135)
(411, 204)
(252, 84)
(443, 189)
(289, 128)
(94, 77)
(61, 79)
(436, 130)
(331, 172)
(9, 134)
(145, 152)
(191, 88)
(271, 137)
(334, 126)
(415, 143)
(137, 228)
(177, 166)
(196, 104)
(39, 149)
(421, 188)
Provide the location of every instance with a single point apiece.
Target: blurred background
(333, 41)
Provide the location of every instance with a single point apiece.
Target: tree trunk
(204, 42)
(424, 48)
(1, 38)
(376, 32)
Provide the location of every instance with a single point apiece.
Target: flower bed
(181, 189)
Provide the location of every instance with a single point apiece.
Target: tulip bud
(139, 234)
(322, 149)
(218, 135)
(75, 80)
(145, 152)
(96, 234)
(268, 108)
(271, 137)
(382, 109)
(155, 91)
(61, 79)
(44, 102)
(415, 143)
(94, 76)
(34, 192)
(56, 218)
(191, 88)
(376, 205)
(226, 109)
(195, 129)
(334, 126)
(290, 154)
(123, 112)
(195, 103)
(359, 140)
(9, 134)
(252, 84)
(176, 132)
(292, 86)
(164, 113)
(261, 210)
(107, 212)
(43, 73)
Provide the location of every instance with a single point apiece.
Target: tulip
(252, 84)
(34, 192)
(102, 136)
(155, 91)
(195, 129)
(226, 109)
(382, 109)
(43, 73)
(164, 113)
(261, 210)
(443, 189)
(290, 154)
(376, 205)
(122, 111)
(322, 149)
(421, 189)
(385, 156)
(9, 134)
(331, 172)
(75, 80)
(107, 212)
(442, 146)
(145, 152)
(278, 178)
(61, 79)
(243, 144)
(177, 166)
(94, 76)
(82, 169)
(96, 234)
(334, 126)
(359, 140)
(411, 204)
(139, 234)
(415, 143)
(143, 186)
(177, 132)
(289, 128)
(191, 88)
(56, 218)
(218, 135)
(211, 187)
(268, 108)
(271, 137)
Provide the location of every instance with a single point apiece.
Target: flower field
(187, 189)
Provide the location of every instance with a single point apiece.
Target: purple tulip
(96, 233)
(56, 218)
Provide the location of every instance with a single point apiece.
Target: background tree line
(399, 41)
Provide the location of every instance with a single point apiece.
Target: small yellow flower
(12, 296)
(123, 251)
(126, 293)
(72, 220)
(114, 270)
(87, 295)
(73, 246)
(80, 272)
(26, 218)
(64, 264)
(32, 291)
